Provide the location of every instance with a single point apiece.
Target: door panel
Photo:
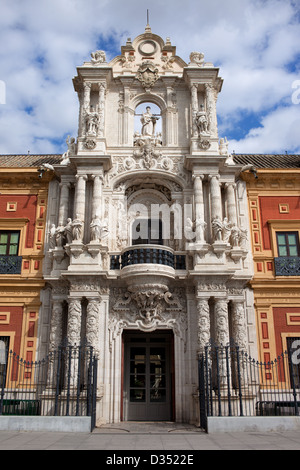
(147, 377)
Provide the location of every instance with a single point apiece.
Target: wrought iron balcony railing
(147, 254)
(10, 264)
(287, 266)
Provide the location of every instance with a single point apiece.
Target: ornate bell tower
(148, 225)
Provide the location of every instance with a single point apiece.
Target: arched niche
(157, 104)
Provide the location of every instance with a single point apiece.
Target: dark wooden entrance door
(147, 377)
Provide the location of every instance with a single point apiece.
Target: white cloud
(252, 41)
(279, 133)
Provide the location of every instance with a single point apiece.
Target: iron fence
(231, 383)
(62, 384)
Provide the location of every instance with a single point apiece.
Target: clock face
(147, 48)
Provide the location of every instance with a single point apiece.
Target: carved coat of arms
(147, 74)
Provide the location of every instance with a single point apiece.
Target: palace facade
(147, 238)
(150, 256)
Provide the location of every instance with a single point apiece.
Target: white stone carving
(98, 57)
(197, 58)
(147, 74)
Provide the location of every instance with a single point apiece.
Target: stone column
(80, 197)
(222, 339)
(203, 323)
(199, 208)
(63, 202)
(231, 203)
(93, 323)
(97, 195)
(215, 195)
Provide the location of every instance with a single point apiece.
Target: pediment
(148, 53)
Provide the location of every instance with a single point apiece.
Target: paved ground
(153, 437)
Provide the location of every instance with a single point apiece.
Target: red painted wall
(281, 326)
(26, 208)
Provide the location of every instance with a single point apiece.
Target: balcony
(10, 264)
(287, 266)
(147, 254)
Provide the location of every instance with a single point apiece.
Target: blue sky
(256, 44)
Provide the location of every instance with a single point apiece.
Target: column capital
(97, 175)
(84, 177)
(210, 177)
(195, 177)
(230, 184)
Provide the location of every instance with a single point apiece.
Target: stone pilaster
(221, 322)
(74, 321)
(56, 325)
(93, 323)
(239, 325)
(203, 323)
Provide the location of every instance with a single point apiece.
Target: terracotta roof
(268, 161)
(28, 161)
(257, 160)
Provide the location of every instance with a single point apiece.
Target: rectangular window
(287, 243)
(9, 243)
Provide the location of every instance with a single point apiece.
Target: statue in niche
(148, 123)
(92, 123)
(202, 122)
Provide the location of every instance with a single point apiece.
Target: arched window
(147, 119)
